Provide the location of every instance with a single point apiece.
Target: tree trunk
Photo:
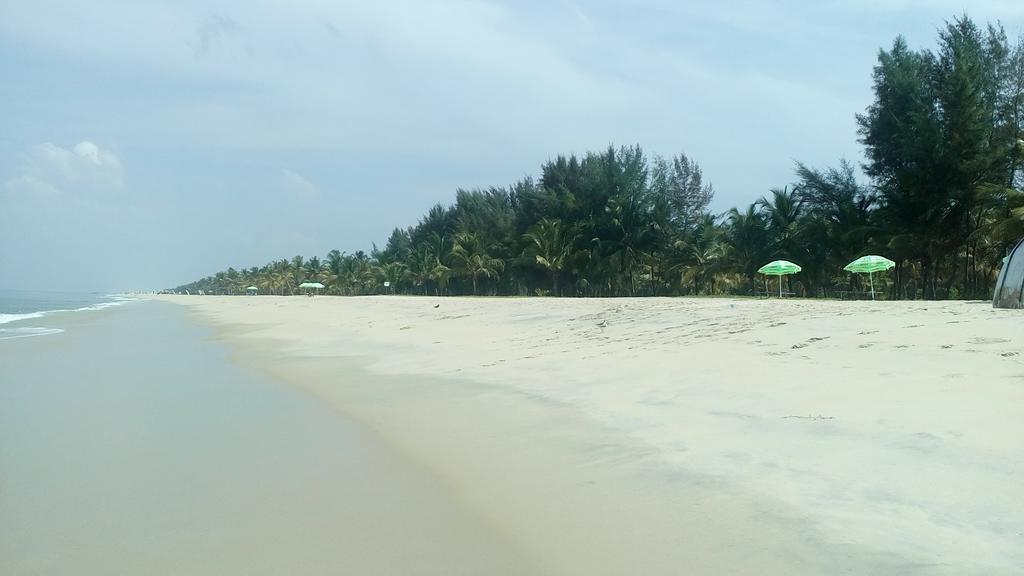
(926, 272)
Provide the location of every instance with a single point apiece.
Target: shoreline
(597, 476)
(575, 503)
(135, 442)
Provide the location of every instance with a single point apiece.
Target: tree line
(944, 199)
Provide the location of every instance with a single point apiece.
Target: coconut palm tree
(782, 214)
(631, 235)
(391, 272)
(551, 246)
(440, 274)
(747, 239)
(697, 257)
(472, 258)
(311, 269)
(421, 267)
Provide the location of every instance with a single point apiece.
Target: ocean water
(19, 307)
(132, 443)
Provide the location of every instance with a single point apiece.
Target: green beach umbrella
(869, 265)
(779, 268)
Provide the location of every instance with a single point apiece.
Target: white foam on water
(9, 333)
(5, 318)
(8, 318)
(117, 301)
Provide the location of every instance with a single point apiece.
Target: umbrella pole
(871, 278)
(780, 285)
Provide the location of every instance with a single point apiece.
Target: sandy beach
(682, 436)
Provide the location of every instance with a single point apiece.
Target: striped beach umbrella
(869, 265)
(779, 268)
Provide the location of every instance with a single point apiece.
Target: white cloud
(32, 186)
(297, 186)
(50, 169)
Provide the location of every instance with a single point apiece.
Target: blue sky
(146, 144)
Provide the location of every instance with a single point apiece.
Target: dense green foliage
(944, 157)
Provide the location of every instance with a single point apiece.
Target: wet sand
(131, 443)
(667, 436)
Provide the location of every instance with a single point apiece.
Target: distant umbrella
(869, 265)
(252, 289)
(779, 268)
(311, 286)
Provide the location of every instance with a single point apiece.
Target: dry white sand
(685, 436)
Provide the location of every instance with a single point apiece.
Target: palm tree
(632, 235)
(311, 269)
(420, 267)
(439, 248)
(783, 213)
(747, 239)
(473, 259)
(698, 255)
(392, 272)
(551, 246)
(334, 266)
(296, 268)
(440, 275)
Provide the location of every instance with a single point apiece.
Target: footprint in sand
(809, 341)
(947, 346)
(1009, 354)
(867, 345)
(983, 340)
(866, 332)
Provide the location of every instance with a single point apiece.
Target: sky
(148, 144)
